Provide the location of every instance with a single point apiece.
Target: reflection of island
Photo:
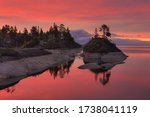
(101, 75)
(61, 70)
(101, 68)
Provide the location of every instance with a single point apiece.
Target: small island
(100, 54)
(102, 47)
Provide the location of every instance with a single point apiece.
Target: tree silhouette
(11, 37)
(34, 31)
(55, 30)
(62, 28)
(105, 29)
(25, 31)
(96, 33)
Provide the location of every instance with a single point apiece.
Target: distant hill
(82, 37)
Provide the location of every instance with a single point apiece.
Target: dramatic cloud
(122, 16)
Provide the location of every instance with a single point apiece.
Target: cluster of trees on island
(58, 36)
(104, 29)
(11, 37)
(101, 43)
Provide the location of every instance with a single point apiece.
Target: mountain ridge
(82, 37)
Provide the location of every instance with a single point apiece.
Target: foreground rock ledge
(32, 65)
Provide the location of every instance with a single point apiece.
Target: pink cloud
(122, 16)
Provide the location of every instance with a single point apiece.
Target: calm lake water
(130, 80)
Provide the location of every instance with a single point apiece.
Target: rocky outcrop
(15, 54)
(32, 65)
(66, 43)
(102, 50)
(100, 45)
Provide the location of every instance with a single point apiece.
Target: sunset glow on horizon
(127, 19)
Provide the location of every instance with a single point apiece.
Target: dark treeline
(10, 37)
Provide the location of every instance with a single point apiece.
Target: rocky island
(103, 48)
(100, 54)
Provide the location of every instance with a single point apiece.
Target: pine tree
(105, 30)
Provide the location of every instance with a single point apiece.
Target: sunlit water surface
(127, 81)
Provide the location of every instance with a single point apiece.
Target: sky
(127, 19)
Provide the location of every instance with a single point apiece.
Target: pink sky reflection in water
(127, 81)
